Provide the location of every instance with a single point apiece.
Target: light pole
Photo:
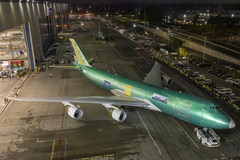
(205, 38)
(168, 36)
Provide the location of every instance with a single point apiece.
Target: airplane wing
(112, 100)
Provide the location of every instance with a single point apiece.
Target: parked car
(138, 48)
(217, 88)
(194, 74)
(192, 60)
(228, 90)
(56, 44)
(224, 76)
(209, 69)
(212, 85)
(234, 99)
(66, 55)
(68, 46)
(228, 79)
(207, 81)
(68, 51)
(186, 69)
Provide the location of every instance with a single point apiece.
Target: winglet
(78, 55)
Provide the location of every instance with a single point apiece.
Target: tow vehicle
(208, 137)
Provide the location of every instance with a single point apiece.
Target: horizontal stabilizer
(91, 61)
(154, 76)
(65, 67)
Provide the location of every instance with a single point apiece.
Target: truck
(208, 137)
(164, 51)
(162, 44)
(173, 53)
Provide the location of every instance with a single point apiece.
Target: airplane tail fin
(78, 55)
(154, 77)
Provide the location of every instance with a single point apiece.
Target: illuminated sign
(160, 98)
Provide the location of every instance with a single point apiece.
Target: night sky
(159, 1)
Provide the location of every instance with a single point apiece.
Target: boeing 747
(189, 108)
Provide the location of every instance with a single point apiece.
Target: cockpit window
(214, 107)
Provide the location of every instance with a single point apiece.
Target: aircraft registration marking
(128, 90)
(106, 83)
(160, 98)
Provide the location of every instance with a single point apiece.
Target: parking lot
(220, 80)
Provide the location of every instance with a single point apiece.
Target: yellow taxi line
(53, 146)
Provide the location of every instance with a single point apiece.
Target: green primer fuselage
(192, 109)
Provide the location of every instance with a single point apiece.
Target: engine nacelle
(117, 114)
(73, 111)
(166, 80)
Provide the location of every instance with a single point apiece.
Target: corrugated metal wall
(13, 14)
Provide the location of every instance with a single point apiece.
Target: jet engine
(73, 111)
(166, 80)
(117, 114)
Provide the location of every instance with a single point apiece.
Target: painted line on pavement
(16, 140)
(185, 133)
(33, 120)
(171, 137)
(149, 133)
(53, 146)
(61, 131)
(65, 153)
(25, 84)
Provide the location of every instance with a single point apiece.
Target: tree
(183, 52)
(175, 43)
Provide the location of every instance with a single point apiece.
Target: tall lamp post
(205, 39)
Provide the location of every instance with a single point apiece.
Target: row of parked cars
(50, 59)
(217, 72)
(235, 82)
(68, 51)
(195, 74)
(224, 93)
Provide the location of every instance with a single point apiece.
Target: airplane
(101, 36)
(146, 94)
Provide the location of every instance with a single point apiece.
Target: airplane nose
(232, 124)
